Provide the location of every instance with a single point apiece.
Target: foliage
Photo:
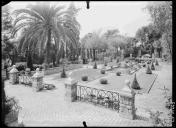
(63, 74)
(161, 15)
(152, 66)
(84, 78)
(9, 49)
(156, 62)
(95, 65)
(155, 117)
(148, 71)
(102, 71)
(103, 81)
(118, 73)
(135, 84)
(46, 24)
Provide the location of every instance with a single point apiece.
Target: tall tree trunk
(47, 56)
(94, 54)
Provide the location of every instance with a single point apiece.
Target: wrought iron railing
(108, 99)
(25, 79)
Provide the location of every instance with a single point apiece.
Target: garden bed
(116, 83)
(91, 73)
(54, 70)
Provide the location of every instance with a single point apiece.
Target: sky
(126, 16)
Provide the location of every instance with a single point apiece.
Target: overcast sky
(125, 16)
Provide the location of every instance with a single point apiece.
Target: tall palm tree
(42, 22)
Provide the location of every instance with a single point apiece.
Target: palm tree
(43, 22)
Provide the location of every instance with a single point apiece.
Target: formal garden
(50, 69)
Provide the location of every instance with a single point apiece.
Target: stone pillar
(14, 75)
(131, 56)
(37, 81)
(70, 90)
(127, 102)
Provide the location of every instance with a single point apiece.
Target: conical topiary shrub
(148, 71)
(117, 61)
(135, 84)
(156, 63)
(63, 74)
(152, 67)
(95, 66)
(105, 64)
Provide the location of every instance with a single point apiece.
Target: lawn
(116, 83)
(91, 73)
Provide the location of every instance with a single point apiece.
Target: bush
(152, 67)
(63, 74)
(105, 64)
(118, 73)
(20, 67)
(51, 65)
(45, 66)
(84, 78)
(148, 71)
(50, 86)
(102, 71)
(103, 81)
(117, 61)
(156, 63)
(95, 66)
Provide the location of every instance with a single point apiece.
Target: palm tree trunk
(48, 47)
(94, 54)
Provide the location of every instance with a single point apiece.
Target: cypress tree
(156, 63)
(152, 67)
(135, 84)
(148, 71)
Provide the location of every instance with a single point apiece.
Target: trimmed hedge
(84, 78)
(63, 74)
(118, 73)
(103, 81)
(95, 65)
(102, 71)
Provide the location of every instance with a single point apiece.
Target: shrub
(118, 73)
(50, 86)
(155, 117)
(51, 65)
(103, 81)
(148, 71)
(105, 64)
(84, 78)
(45, 66)
(135, 84)
(152, 67)
(156, 63)
(95, 66)
(20, 67)
(117, 61)
(102, 71)
(63, 74)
